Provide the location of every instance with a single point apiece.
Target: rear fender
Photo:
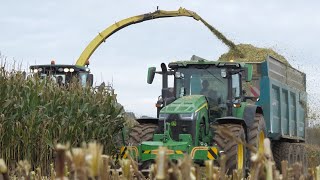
(233, 120)
(147, 120)
(250, 112)
(230, 120)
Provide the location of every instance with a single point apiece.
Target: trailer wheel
(257, 133)
(235, 152)
(283, 151)
(141, 132)
(300, 155)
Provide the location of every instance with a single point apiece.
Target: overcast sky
(37, 31)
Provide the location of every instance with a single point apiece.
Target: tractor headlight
(66, 70)
(71, 70)
(187, 116)
(35, 70)
(163, 116)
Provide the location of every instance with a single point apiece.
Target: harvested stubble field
(88, 162)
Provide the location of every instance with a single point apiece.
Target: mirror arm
(252, 98)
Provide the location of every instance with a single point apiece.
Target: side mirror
(248, 68)
(151, 73)
(90, 79)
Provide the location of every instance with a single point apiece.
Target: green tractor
(207, 96)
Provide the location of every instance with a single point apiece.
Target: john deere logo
(173, 123)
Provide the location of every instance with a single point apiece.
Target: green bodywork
(176, 149)
(185, 104)
(196, 105)
(199, 150)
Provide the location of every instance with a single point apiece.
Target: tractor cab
(63, 74)
(219, 82)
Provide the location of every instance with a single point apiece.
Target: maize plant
(36, 114)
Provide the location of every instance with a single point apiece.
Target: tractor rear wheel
(141, 132)
(235, 152)
(257, 133)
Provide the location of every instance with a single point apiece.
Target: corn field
(35, 115)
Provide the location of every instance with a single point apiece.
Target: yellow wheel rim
(240, 156)
(261, 145)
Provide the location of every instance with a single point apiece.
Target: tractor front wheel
(141, 132)
(235, 152)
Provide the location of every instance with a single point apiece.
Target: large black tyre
(283, 151)
(141, 132)
(298, 153)
(230, 147)
(257, 133)
(255, 130)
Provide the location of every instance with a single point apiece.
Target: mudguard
(234, 120)
(250, 112)
(150, 120)
(231, 119)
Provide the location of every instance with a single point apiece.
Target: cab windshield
(65, 78)
(208, 82)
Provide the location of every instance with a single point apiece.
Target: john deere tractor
(207, 99)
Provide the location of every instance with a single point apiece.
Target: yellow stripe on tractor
(168, 152)
(179, 152)
(147, 152)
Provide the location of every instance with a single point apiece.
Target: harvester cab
(63, 74)
(205, 100)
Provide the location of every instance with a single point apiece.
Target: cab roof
(201, 62)
(57, 66)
